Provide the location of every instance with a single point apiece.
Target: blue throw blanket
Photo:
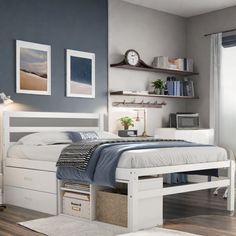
(104, 159)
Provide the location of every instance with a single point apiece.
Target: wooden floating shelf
(121, 93)
(156, 70)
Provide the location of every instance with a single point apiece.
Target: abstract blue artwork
(80, 74)
(81, 70)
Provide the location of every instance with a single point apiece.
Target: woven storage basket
(112, 208)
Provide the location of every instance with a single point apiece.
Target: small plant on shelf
(159, 86)
(126, 121)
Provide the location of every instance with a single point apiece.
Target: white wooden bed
(136, 192)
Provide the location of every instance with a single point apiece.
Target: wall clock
(132, 58)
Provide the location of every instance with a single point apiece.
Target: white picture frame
(33, 68)
(80, 74)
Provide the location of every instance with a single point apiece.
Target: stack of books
(173, 63)
(80, 196)
(77, 186)
(176, 87)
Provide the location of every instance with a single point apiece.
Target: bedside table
(202, 136)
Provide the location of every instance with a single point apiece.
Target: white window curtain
(215, 75)
(227, 124)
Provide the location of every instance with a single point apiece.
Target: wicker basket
(112, 208)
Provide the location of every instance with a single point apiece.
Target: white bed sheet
(143, 158)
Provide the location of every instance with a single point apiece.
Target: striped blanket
(78, 154)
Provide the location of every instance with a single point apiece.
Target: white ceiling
(185, 8)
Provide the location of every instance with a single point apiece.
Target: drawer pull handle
(75, 204)
(27, 178)
(28, 198)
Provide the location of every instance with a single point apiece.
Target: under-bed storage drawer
(38, 201)
(31, 179)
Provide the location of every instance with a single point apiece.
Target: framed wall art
(80, 76)
(33, 68)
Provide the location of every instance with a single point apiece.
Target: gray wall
(152, 33)
(63, 24)
(198, 48)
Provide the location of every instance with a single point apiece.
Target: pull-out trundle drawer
(44, 181)
(30, 199)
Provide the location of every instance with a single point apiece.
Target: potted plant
(159, 86)
(127, 121)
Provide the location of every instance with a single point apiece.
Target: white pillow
(106, 135)
(45, 138)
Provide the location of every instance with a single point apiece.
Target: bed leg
(59, 197)
(231, 188)
(132, 202)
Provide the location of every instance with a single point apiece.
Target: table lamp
(144, 134)
(5, 99)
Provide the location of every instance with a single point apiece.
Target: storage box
(112, 208)
(76, 205)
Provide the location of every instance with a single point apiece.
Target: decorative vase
(126, 127)
(158, 91)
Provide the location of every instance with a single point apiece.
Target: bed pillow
(83, 135)
(45, 138)
(91, 135)
(107, 135)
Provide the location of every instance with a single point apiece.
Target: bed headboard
(18, 124)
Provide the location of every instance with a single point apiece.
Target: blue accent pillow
(83, 135)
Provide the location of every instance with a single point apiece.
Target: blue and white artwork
(80, 74)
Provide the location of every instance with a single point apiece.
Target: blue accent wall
(64, 24)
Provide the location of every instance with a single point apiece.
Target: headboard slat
(43, 129)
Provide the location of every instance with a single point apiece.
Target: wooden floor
(200, 213)
(196, 212)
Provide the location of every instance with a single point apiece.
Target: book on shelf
(80, 196)
(77, 186)
(190, 88)
(170, 87)
(173, 63)
(188, 64)
(180, 87)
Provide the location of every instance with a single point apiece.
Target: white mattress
(171, 156)
(130, 159)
